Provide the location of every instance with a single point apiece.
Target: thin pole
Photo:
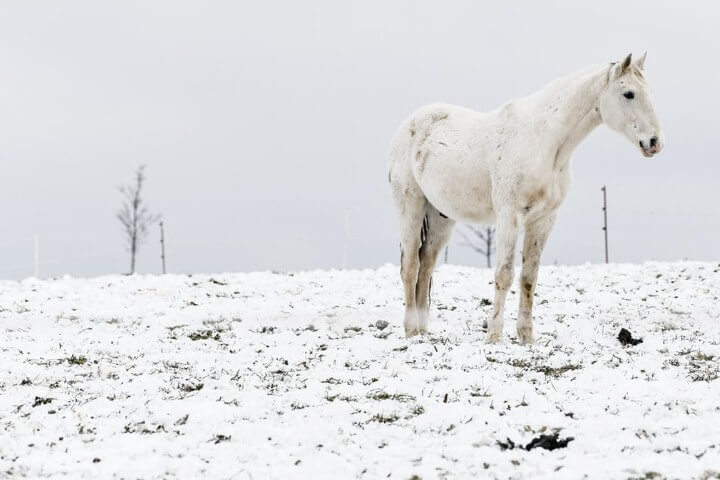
(162, 246)
(605, 227)
(346, 239)
(37, 256)
(447, 247)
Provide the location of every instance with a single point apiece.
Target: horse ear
(641, 63)
(626, 64)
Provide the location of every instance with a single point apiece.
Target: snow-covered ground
(275, 375)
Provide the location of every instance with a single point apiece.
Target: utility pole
(37, 256)
(162, 246)
(605, 227)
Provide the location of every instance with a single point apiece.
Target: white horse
(509, 167)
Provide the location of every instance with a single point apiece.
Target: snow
(286, 375)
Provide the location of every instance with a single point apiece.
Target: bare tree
(480, 239)
(134, 215)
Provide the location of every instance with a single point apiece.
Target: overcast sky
(262, 123)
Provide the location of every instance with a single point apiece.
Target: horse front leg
(536, 234)
(506, 231)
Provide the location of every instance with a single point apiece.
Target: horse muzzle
(651, 146)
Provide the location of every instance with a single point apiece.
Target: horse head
(625, 106)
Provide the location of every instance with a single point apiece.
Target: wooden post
(162, 246)
(605, 227)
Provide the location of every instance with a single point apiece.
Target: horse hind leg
(437, 229)
(411, 205)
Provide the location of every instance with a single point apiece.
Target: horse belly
(456, 184)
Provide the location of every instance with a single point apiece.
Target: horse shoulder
(542, 192)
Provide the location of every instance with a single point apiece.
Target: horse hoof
(411, 332)
(494, 337)
(525, 336)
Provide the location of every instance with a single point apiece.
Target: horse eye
(629, 95)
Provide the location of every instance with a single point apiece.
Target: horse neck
(573, 105)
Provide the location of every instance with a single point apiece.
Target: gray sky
(262, 122)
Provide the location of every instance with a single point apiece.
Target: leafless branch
(480, 239)
(134, 216)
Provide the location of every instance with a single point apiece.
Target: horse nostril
(653, 142)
